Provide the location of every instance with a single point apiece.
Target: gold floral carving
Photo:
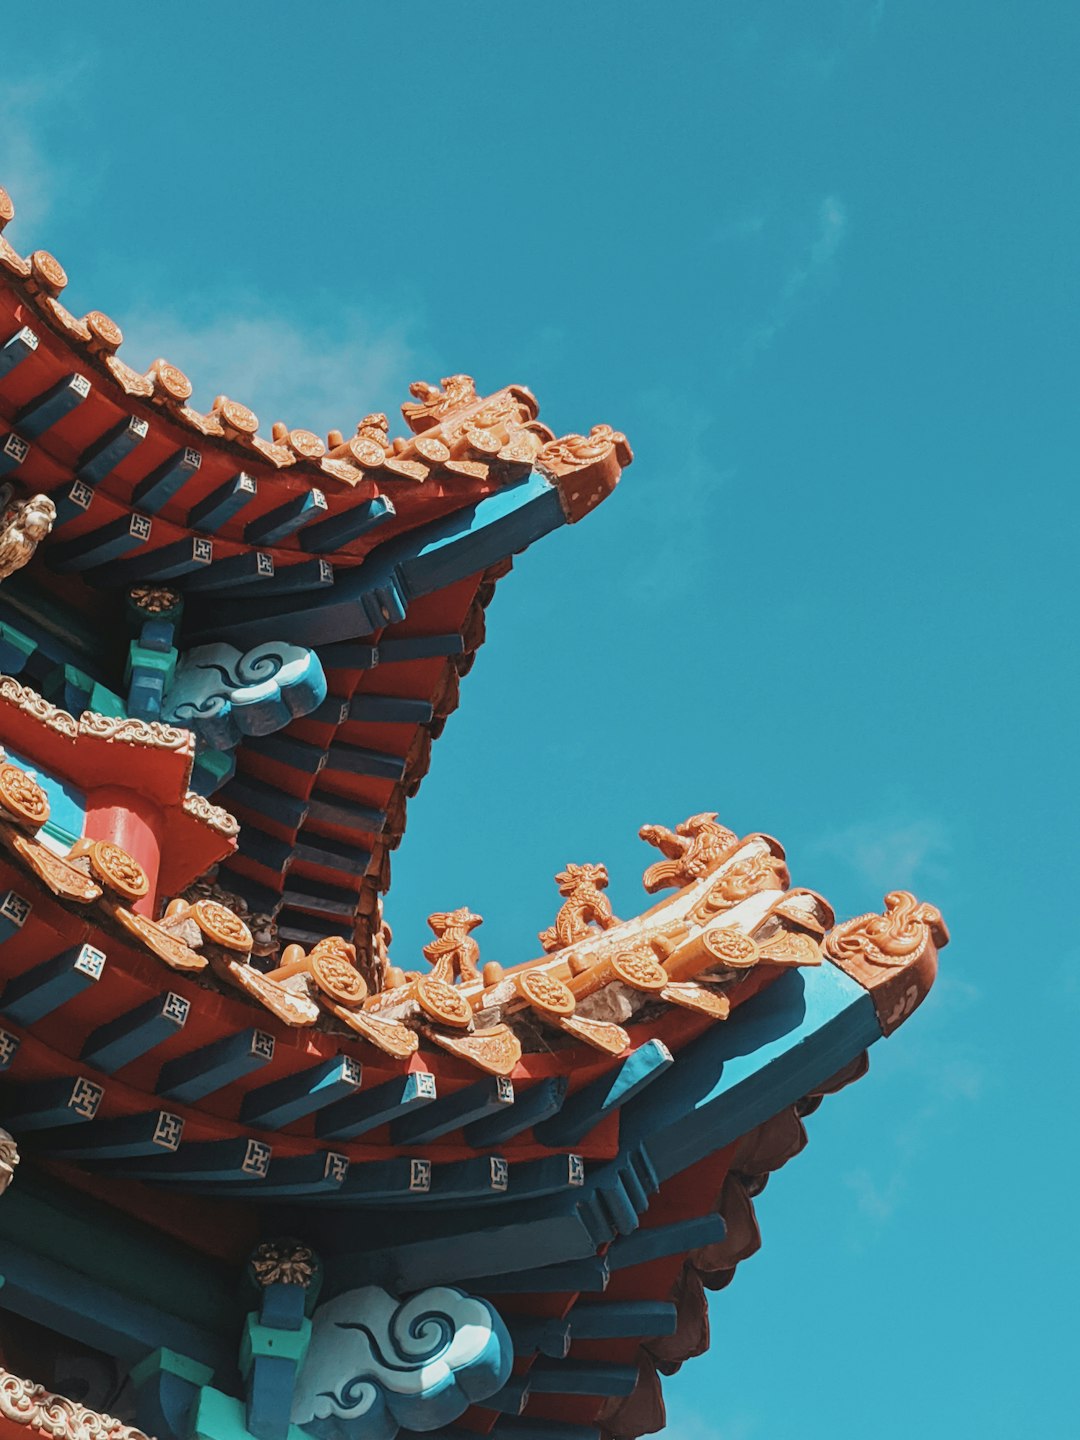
(602, 1035)
(691, 850)
(688, 995)
(546, 993)
(639, 969)
(262, 926)
(35, 705)
(441, 1002)
(895, 938)
(495, 1051)
(333, 968)
(24, 1403)
(168, 948)
(573, 452)
(221, 926)
(737, 883)
(283, 1262)
(154, 599)
(215, 817)
(453, 951)
(790, 947)
(117, 870)
(62, 878)
(731, 948)
(47, 275)
(583, 886)
(23, 526)
(132, 731)
(389, 1036)
(22, 797)
(285, 1005)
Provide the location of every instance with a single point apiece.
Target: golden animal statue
(582, 885)
(692, 849)
(453, 952)
(23, 525)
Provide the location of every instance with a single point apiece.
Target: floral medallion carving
(441, 1002)
(333, 968)
(118, 870)
(221, 926)
(731, 948)
(23, 798)
(283, 1262)
(546, 993)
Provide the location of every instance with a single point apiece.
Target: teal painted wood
(285, 520)
(619, 1206)
(48, 1104)
(588, 1276)
(290, 1176)
(420, 647)
(102, 458)
(269, 1398)
(389, 710)
(186, 556)
(121, 1137)
(205, 1161)
(9, 1048)
(118, 1042)
(581, 1377)
(45, 410)
(443, 1116)
(269, 801)
(325, 809)
(512, 1398)
(538, 1102)
(542, 1335)
(14, 451)
(770, 1053)
(167, 1386)
(355, 1116)
(526, 1427)
(15, 910)
(192, 1077)
(166, 481)
(349, 655)
(549, 1175)
(344, 859)
(109, 542)
(584, 1110)
(381, 1181)
(339, 530)
(223, 504)
(72, 502)
(67, 804)
(298, 579)
(29, 997)
(18, 348)
(461, 1180)
(285, 750)
(375, 593)
(283, 1102)
(622, 1320)
(247, 568)
(90, 1313)
(316, 897)
(676, 1239)
(16, 649)
(358, 760)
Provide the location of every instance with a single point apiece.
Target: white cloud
(830, 230)
(32, 169)
(890, 854)
(307, 375)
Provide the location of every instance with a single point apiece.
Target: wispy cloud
(307, 375)
(32, 169)
(804, 277)
(892, 852)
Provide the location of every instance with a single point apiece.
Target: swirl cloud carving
(224, 695)
(377, 1364)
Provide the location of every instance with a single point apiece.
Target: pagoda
(263, 1175)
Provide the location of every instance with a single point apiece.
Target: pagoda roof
(379, 554)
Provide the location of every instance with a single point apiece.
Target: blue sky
(819, 263)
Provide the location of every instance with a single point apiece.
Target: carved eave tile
(893, 955)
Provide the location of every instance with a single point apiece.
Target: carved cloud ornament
(223, 694)
(377, 1365)
(9, 1158)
